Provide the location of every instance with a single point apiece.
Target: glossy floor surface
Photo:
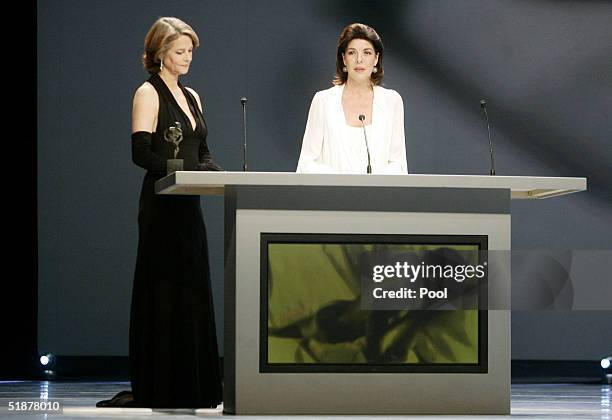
(78, 398)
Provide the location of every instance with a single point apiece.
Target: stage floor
(529, 401)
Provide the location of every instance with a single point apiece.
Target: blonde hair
(164, 31)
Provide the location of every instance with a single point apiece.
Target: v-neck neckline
(195, 118)
(344, 114)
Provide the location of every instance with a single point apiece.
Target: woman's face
(360, 59)
(178, 57)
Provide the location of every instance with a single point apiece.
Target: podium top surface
(213, 183)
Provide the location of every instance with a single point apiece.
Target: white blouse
(357, 155)
(332, 146)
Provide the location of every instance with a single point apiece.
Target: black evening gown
(173, 345)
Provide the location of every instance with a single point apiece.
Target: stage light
(606, 370)
(47, 360)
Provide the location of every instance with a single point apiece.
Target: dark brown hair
(358, 31)
(164, 32)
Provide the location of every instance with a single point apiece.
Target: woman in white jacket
(334, 140)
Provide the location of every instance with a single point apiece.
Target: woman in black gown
(173, 346)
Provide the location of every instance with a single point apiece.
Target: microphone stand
(365, 136)
(243, 101)
(483, 105)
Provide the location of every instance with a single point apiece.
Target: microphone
(483, 105)
(243, 101)
(365, 136)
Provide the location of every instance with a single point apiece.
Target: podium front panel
(251, 212)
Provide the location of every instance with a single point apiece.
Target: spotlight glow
(44, 360)
(605, 363)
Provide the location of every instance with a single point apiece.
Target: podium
(311, 208)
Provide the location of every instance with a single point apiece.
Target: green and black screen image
(314, 315)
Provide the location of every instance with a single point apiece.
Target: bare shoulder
(145, 92)
(193, 92)
(195, 95)
(145, 108)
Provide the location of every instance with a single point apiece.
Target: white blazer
(328, 148)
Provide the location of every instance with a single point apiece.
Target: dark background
(545, 68)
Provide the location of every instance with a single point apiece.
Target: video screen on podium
(329, 304)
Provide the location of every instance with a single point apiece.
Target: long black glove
(206, 161)
(143, 156)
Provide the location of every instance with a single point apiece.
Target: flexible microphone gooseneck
(243, 101)
(483, 105)
(365, 137)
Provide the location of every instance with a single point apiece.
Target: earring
(161, 65)
(375, 69)
(344, 69)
